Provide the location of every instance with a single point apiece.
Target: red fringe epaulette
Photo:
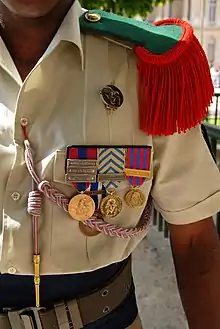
(175, 88)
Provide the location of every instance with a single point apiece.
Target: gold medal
(88, 231)
(111, 206)
(81, 207)
(135, 198)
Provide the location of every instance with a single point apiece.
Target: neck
(27, 38)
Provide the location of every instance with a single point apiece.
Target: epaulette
(174, 82)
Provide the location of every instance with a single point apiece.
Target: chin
(30, 14)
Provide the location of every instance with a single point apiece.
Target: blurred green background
(128, 8)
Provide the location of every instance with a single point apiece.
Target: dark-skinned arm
(186, 190)
(196, 254)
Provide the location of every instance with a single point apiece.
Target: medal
(112, 97)
(81, 207)
(111, 206)
(137, 171)
(135, 198)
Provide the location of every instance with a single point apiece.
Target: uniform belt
(75, 313)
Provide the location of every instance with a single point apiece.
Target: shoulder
(175, 87)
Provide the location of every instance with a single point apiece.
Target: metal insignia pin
(112, 97)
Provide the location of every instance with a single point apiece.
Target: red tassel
(175, 88)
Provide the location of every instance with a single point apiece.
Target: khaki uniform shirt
(61, 100)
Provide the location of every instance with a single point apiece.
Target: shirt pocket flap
(59, 167)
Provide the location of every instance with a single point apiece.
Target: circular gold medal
(81, 207)
(88, 231)
(111, 206)
(135, 198)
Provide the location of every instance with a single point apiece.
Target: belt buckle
(25, 318)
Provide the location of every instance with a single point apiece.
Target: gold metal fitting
(36, 262)
(92, 17)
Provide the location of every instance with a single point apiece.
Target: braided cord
(34, 205)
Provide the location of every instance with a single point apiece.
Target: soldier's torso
(62, 103)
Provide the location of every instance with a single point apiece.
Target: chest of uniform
(73, 100)
(83, 128)
(69, 104)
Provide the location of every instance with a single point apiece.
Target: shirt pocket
(59, 167)
(105, 250)
(70, 248)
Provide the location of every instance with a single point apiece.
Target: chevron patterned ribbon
(111, 161)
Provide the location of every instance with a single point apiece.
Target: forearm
(198, 274)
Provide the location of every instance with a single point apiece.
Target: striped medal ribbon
(97, 197)
(111, 163)
(82, 174)
(137, 170)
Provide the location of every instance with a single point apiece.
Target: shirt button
(12, 270)
(24, 122)
(15, 196)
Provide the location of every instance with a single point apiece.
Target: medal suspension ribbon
(62, 201)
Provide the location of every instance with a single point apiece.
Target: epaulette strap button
(92, 17)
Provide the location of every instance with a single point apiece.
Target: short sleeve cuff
(204, 209)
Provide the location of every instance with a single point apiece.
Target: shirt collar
(68, 31)
(70, 28)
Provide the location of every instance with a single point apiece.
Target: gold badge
(88, 231)
(112, 97)
(92, 17)
(135, 198)
(111, 206)
(81, 207)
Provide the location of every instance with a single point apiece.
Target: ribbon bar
(82, 170)
(76, 163)
(80, 178)
(138, 173)
(111, 177)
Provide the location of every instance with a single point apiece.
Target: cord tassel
(34, 209)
